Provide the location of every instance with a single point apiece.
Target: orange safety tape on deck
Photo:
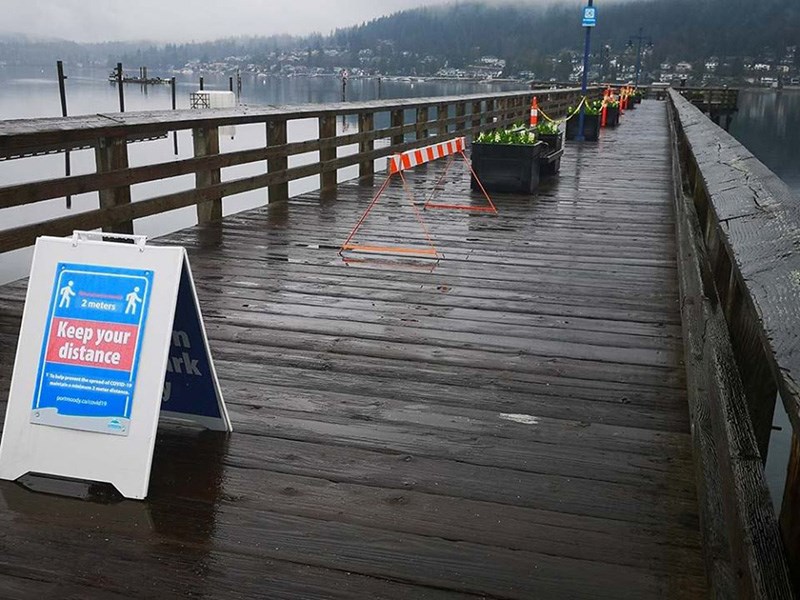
(391, 249)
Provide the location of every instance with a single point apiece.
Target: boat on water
(142, 78)
(112, 78)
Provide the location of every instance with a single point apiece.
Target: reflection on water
(29, 93)
(768, 124)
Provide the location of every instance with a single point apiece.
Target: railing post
(477, 114)
(490, 104)
(502, 106)
(277, 136)
(516, 103)
(327, 132)
(398, 120)
(422, 122)
(366, 168)
(760, 387)
(111, 154)
(461, 112)
(206, 143)
(442, 112)
(790, 512)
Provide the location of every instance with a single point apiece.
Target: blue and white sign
(89, 356)
(111, 333)
(589, 16)
(191, 388)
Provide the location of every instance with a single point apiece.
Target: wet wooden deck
(511, 424)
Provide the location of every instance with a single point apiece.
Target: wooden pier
(513, 421)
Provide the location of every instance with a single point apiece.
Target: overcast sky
(186, 20)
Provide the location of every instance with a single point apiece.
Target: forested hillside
(526, 37)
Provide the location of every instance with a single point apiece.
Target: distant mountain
(680, 29)
(526, 37)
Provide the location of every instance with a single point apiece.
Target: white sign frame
(123, 461)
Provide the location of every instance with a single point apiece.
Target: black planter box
(511, 168)
(612, 116)
(591, 128)
(550, 162)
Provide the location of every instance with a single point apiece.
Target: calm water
(768, 124)
(27, 93)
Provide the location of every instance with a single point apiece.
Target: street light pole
(585, 79)
(639, 57)
(639, 41)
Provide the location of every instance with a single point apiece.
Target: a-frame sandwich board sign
(109, 330)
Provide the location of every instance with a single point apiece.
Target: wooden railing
(712, 100)
(110, 135)
(739, 235)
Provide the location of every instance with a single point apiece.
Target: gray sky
(186, 20)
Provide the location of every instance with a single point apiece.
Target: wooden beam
(206, 142)
(111, 154)
(366, 168)
(477, 114)
(790, 511)
(277, 137)
(327, 130)
(442, 112)
(422, 122)
(397, 121)
(490, 114)
(461, 111)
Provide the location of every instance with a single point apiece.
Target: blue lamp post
(589, 21)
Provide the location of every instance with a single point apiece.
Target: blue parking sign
(589, 16)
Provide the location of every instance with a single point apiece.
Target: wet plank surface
(510, 422)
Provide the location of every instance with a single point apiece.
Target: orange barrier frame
(429, 204)
(389, 250)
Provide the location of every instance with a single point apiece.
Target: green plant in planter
(507, 160)
(547, 128)
(594, 107)
(516, 135)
